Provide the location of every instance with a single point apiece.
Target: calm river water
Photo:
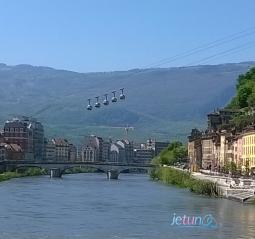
(89, 206)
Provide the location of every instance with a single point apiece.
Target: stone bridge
(56, 169)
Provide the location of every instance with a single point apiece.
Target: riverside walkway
(239, 189)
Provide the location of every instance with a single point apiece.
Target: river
(89, 206)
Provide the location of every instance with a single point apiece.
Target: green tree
(247, 168)
(233, 168)
(245, 91)
(243, 94)
(174, 153)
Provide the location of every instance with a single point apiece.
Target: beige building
(238, 151)
(195, 150)
(191, 153)
(89, 154)
(50, 151)
(62, 149)
(248, 149)
(207, 151)
(72, 153)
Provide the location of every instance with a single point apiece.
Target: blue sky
(106, 35)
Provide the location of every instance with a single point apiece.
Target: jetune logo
(207, 221)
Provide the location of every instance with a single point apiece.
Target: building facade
(3, 153)
(50, 151)
(62, 149)
(248, 149)
(117, 153)
(156, 146)
(220, 117)
(89, 154)
(207, 151)
(94, 145)
(128, 148)
(143, 155)
(238, 150)
(106, 151)
(195, 150)
(72, 157)
(28, 133)
(11, 152)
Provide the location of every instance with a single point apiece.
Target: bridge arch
(147, 170)
(83, 166)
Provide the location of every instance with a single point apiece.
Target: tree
(174, 153)
(245, 91)
(243, 94)
(247, 168)
(233, 168)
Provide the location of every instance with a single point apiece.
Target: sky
(109, 35)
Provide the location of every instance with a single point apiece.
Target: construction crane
(127, 129)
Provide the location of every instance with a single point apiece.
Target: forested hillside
(161, 102)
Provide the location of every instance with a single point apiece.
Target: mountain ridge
(161, 102)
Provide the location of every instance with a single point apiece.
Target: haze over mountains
(162, 102)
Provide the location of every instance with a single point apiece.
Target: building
(11, 152)
(62, 149)
(128, 148)
(248, 149)
(216, 152)
(159, 146)
(92, 149)
(50, 151)
(226, 148)
(219, 118)
(210, 150)
(28, 133)
(117, 153)
(2, 139)
(94, 145)
(72, 153)
(106, 151)
(195, 150)
(192, 155)
(143, 156)
(3, 153)
(79, 153)
(238, 150)
(97, 143)
(207, 151)
(156, 146)
(89, 154)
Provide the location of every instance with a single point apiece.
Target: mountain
(161, 102)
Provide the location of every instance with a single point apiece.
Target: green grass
(183, 179)
(27, 173)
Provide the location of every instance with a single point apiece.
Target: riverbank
(204, 184)
(38, 172)
(183, 179)
(237, 189)
(27, 173)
